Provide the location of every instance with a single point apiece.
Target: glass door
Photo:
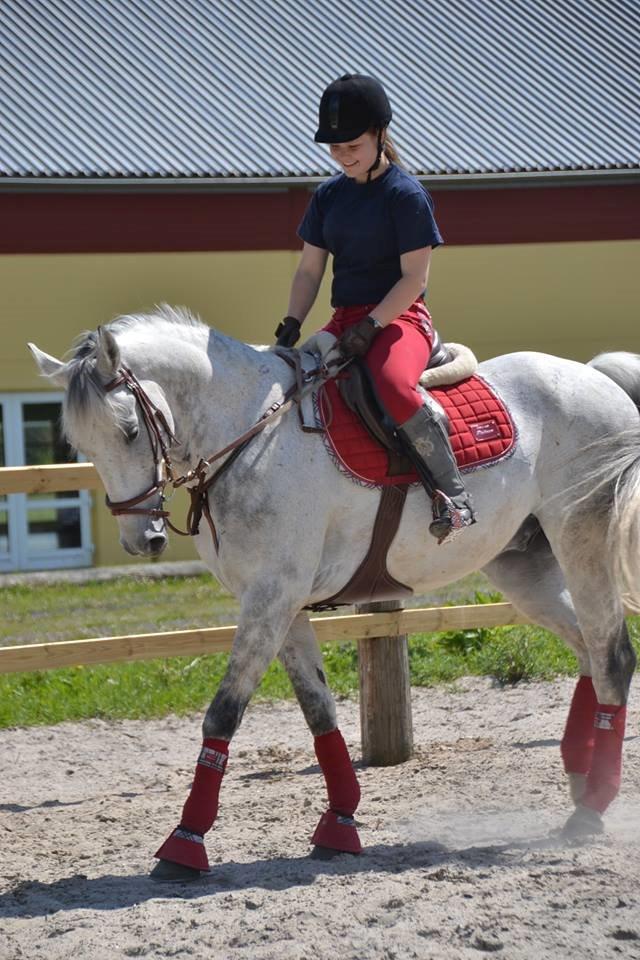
(51, 529)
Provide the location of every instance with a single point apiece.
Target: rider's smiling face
(356, 156)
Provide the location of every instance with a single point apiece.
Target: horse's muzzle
(155, 543)
(151, 544)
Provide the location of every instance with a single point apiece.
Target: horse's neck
(244, 381)
(216, 388)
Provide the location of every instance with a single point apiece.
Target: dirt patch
(458, 859)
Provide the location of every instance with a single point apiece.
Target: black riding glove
(288, 332)
(356, 340)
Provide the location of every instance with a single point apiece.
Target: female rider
(377, 221)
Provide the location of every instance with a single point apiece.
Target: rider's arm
(307, 280)
(415, 273)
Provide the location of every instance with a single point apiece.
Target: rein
(158, 428)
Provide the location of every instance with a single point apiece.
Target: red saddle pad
(480, 429)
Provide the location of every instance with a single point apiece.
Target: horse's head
(104, 419)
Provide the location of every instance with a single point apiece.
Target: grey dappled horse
(558, 531)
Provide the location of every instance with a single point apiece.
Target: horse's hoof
(582, 823)
(167, 872)
(326, 853)
(337, 833)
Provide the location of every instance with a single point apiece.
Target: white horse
(558, 531)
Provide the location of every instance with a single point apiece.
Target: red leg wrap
(337, 829)
(186, 845)
(603, 781)
(579, 736)
(201, 808)
(342, 785)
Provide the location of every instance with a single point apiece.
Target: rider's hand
(356, 340)
(288, 332)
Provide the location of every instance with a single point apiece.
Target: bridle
(159, 433)
(157, 428)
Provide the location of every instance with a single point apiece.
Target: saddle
(350, 404)
(361, 441)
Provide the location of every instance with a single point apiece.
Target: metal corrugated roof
(198, 89)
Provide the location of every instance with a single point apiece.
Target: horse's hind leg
(301, 657)
(532, 580)
(581, 549)
(593, 623)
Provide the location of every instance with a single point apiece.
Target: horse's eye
(131, 435)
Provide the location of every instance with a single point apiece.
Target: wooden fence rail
(52, 478)
(188, 643)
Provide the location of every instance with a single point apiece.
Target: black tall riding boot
(426, 441)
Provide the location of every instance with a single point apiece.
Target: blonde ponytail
(390, 151)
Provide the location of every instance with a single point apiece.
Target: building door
(48, 530)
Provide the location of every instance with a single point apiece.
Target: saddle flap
(358, 392)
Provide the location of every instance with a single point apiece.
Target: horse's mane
(85, 390)
(163, 312)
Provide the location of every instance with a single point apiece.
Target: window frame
(18, 505)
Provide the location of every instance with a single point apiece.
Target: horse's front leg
(264, 619)
(300, 655)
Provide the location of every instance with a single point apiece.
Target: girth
(372, 580)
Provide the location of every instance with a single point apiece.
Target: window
(47, 530)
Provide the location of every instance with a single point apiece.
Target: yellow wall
(572, 299)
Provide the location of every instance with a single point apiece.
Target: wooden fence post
(385, 694)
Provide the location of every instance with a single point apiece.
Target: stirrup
(449, 518)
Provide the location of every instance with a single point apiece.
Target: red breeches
(397, 356)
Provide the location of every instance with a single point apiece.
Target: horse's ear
(54, 370)
(107, 354)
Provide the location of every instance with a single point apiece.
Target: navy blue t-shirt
(367, 226)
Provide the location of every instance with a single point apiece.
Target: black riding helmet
(349, 107)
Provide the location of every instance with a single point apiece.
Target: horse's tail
(617, 480)
(623, 534)
(623, 368)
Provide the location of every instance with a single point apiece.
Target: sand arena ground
(458, 861)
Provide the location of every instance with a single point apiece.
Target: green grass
(69, 611)
(181, 685)
(140, 690)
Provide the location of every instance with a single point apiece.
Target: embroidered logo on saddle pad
(480, 429)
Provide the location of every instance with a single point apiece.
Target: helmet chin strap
(376, 163)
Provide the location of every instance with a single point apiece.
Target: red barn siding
(105, 222)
